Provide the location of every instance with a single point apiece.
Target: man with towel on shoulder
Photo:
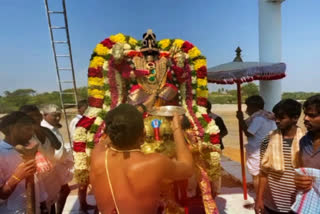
(279, 156)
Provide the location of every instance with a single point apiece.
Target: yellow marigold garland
(164, 43)
(96, 62)
(118, 38)
(133, 41)
(199, 63)
(178, 43)
(194, 52)
(96, 93)
(101, 50)
(95, 81)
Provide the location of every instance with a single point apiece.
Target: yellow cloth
(273, 158)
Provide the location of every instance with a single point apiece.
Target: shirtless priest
(125, 180)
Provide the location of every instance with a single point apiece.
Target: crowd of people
(52, 165)
(278, 149)
(281, 157)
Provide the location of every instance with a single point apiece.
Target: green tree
(249, 89)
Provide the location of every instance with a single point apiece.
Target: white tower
(270, 47)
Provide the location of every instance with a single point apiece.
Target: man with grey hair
(51, 120)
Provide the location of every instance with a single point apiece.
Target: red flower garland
(107, 43)
(124, 70)
(85, 122)
(207, 118)
(202, 101)
(215, 138)
(180, 73)
(202, 72)
(95, 72)
(95, 102)
(186, 46)
(79, 146)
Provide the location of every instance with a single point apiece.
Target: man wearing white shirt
(256, 128)
(51, 120)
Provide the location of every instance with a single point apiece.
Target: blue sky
(217, 27)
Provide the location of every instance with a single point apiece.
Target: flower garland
(107, 89)
(194, 92)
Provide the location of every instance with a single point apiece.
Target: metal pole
(243, 170)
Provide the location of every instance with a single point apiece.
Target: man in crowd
(256, 128)
(310, 143)
(51, 120)
(279, 156)
(18, 130)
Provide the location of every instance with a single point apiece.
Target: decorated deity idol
(149, 74)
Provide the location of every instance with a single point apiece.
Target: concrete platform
(230, 201)
(234, 169)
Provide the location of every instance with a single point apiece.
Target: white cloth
(253, 163)
(64, 155)
(259, 127)
(16, 203)
(73, 123)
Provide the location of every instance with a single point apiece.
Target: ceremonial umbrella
(239, 72)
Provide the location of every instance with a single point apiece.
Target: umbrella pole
(243, 171)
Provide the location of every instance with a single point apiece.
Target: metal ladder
(62, 56)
